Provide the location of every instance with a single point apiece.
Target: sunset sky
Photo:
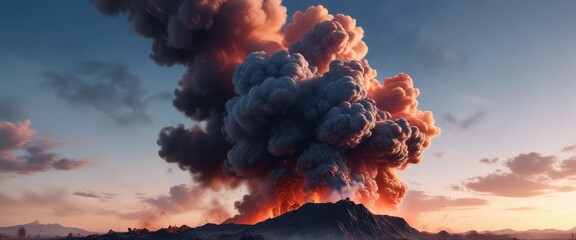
(499, 77)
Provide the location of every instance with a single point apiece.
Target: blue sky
(507, 66)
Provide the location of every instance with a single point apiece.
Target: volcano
(344, 220)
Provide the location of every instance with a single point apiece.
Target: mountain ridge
(35, 228)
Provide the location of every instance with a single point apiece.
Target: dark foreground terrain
(317, 221)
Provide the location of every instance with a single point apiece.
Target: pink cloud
(531, 164)
(15, 135)
(38, 155)
(525, 175)
(507, 184)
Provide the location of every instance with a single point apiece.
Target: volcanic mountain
(341, 220)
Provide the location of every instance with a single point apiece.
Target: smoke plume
(291, 111)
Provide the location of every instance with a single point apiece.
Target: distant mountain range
(537, 233)
(34, 229)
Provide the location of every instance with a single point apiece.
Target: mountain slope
(340, 220)
(43, 230)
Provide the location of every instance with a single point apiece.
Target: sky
(82, 103)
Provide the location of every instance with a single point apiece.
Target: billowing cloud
(38, 157)
(108, 88)
(11, 109)
(293, 112)
(526, 175)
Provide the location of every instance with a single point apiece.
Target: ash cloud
(525, 175)
(38, 155)
(109, 88)
(293, 112)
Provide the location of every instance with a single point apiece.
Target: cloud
(418, 202)
(109, 88)
(571, 148)
(11, 109)
(567, 168)
(87, 194)
(507, 185)
(465, 123)
(489, 160)
(525, 175)
(37, 157)
(531, 164)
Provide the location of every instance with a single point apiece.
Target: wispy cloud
(109, 88)
(464, 123)
(87, 194)
(489, 161)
